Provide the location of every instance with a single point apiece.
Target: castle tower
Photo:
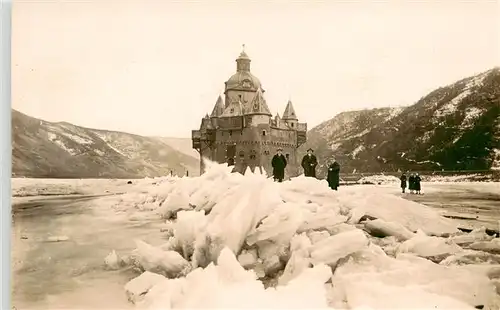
(241, 130)
(242, 85)
(289, 116)
(243, 62)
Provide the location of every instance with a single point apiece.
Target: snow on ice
(379, 179)
(243, 241)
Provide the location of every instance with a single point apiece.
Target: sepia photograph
(225, 154)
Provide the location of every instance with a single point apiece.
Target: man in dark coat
(333, 176)
(309, 163)
(403, 182)
(279, 164)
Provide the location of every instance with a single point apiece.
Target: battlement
(232, 122)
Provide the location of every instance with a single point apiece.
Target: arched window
(263, 132)
(242, 154)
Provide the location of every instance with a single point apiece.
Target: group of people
(413, 183)
(309, 164)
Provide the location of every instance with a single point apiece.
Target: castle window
(253, 154)
(239, 96)
(291, 125)
(242, 154)
(263, 132)
(232, 110)
(230, 132)
(287, 156)
(266, 152)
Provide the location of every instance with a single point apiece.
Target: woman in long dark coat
(309, 163)
(403, 182)
(333, 176)
(417, 180)
(411, 183)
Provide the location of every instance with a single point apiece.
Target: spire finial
(243, 48)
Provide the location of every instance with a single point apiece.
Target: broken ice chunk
(474, 236)
(333, 248)
(113, 261)
(248, 258)
(139, 286)
(433, 248)
(168, 263)
(381, 228)
(492, 246)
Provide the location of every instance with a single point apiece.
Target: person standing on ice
(403, 182)
(411, 183)
(279, 164)
(333, 176)
(309, 163)
(417, 180)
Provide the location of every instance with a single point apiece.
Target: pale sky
(156, 67)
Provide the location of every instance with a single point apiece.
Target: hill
(455, 127)
(63, 150)
(183, 145)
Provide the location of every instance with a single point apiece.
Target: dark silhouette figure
(279, 164)
(417, 181)
(411, 183)
(309, 163)
(333, 176)
(403, 182)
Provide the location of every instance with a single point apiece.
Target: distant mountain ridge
(63, 150)
(455, 127)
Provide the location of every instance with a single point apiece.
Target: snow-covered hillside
(183, 145)
(352, 124)
(46, 149)
(238, 242)
(456, 127)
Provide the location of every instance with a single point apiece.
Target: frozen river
(71, 275)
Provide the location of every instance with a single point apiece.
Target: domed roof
(243, 80)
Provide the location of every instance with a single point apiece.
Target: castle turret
(243, 61)
(218, 108)
(242, 85)
(289, 115)
(277, 118)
